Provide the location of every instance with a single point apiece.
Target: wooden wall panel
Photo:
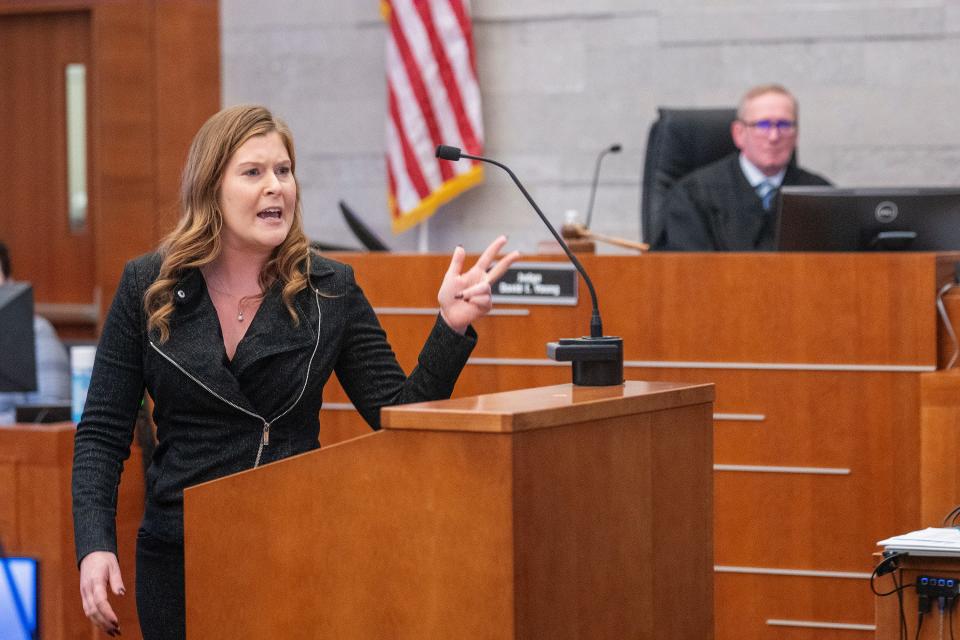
(122, 144)
(940, 445)
(34, 222)
(153, 79)
(186, 93)
(773, 607)
(158, 81)
(845, 308)
(820, 355)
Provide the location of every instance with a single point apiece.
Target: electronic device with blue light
(19, 598)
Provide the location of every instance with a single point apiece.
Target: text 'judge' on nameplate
(537, 283)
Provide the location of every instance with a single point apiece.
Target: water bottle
(81, 366)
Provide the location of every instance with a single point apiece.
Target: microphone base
(597, 362)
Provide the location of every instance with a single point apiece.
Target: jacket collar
(319, 267)
(196, 340)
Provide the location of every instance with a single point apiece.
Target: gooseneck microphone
(614, 148)
(597, 360)
(596, 324)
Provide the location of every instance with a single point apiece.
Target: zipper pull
(266, 434)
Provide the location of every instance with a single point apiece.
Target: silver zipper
(208, 389)
(264, 441)
(265, 436)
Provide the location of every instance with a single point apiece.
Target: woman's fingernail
(123, 591)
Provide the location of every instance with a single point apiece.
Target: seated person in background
(53, 366)
(728, 204)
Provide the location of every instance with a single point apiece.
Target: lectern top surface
(543, 407)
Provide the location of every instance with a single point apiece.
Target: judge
(728, 204)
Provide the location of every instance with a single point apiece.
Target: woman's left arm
(367, 367)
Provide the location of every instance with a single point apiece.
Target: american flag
(432, 98)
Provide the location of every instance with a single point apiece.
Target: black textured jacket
(213, 414)
(715, 209)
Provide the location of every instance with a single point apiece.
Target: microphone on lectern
(598, 359)
(614, 148)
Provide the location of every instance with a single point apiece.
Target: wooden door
(34, 222)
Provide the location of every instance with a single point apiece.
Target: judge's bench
(831, 427)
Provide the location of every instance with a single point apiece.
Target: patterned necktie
(766, 191)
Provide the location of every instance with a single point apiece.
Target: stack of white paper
(932, 541)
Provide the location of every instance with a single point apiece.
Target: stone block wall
(878, 83)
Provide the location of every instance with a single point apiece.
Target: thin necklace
(221, 291)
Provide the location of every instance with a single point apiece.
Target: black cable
(923, 607)
(950, 519)
(897, 588)
(941, 606)
(950, 599)
(947, 325)
(950, 622)
(889, 564)
(903, 615)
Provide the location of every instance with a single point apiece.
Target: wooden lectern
(555, 512)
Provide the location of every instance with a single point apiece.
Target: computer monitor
(869, 219)
(18, 367)
(19, 597)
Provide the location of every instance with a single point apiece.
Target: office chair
(680, 141)
(365, 234)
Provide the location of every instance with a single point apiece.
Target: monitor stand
(893, 240)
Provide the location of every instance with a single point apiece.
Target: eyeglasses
(764, 127)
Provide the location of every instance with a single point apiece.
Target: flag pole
(423, 237)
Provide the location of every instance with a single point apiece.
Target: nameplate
(552, 283)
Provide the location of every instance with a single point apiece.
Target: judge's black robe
(715, 209)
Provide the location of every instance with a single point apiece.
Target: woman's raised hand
(465, 296)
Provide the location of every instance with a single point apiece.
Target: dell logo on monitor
(886, 211)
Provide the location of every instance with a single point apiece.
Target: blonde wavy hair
(196, 239)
